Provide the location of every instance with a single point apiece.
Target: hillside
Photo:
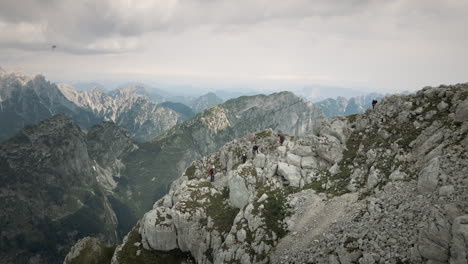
(386, 186)
(55, 184)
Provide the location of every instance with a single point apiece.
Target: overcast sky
(378, 45)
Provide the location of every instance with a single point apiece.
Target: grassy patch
(190, 172)
(221, 212)
(263, 134)
(275, 210)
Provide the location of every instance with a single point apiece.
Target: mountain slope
(205, 101)
(127, 108)
(152, 168)
(387, 186)
(55, 182)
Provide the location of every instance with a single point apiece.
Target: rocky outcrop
(53, 192)
(353, 190)
(155, 165)
(242, 214)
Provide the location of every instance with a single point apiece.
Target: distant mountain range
(26, 100)
(343, 107)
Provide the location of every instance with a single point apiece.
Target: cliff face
(55, 182)
(26, 100)
(387, 186)
(127, 108)
(155, 165)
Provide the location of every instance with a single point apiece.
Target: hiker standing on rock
(281, 139)
(211, 173)
(244, 158)
(255, 150)
(374, 102)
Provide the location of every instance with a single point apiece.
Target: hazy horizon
(267, 46)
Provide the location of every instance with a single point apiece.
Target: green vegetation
(247, 171)
(263, 134)
(190, 172)
(275, 210)
(221, 212)
(129, 253)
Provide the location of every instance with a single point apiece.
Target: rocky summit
(386, 186)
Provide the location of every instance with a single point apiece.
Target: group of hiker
(211, 171)
(255, 149)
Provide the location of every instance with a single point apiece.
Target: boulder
(397, 175)
(309, 162)
(373, 178)
(259, 160)
(459, 243)
(291, 173)
(461, 113)
(429, 177)
(293, 159)
(238, 193)
(157, 230)
(302, 151)
(446, 190)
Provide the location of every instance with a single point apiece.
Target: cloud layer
(349, 42)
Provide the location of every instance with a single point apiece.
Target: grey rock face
(127, 108)
(459, 243)
(52, 189)
(429, 177)
(26, 100)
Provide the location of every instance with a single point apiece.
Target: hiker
(255, 149)
(244, 158)
(281, 138)
(211, 173)
(374, 102)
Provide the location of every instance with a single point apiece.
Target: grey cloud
(108, 26)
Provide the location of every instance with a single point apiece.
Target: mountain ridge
(384, 186)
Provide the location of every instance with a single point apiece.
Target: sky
(371, 45)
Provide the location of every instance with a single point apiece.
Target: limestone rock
(238, 193)
(459, 243)
(293, 159)
(429, 176)
(291, 173)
